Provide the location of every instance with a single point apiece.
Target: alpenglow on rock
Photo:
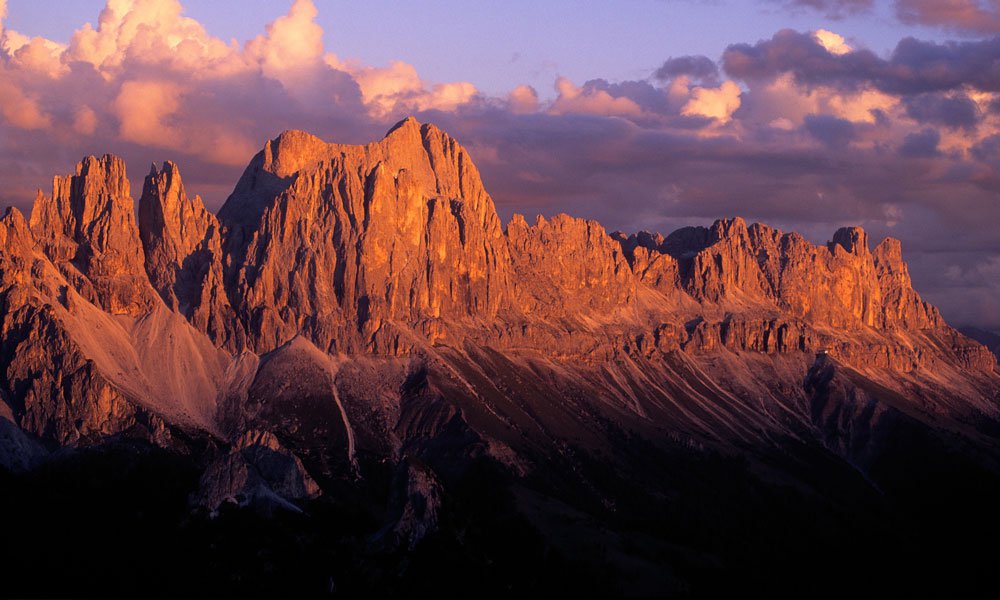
(357, 304)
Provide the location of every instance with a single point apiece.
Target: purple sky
(805, 114)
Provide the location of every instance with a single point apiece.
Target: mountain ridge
(353, 309)
(402, 271)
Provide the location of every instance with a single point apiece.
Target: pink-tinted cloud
(834, 43)
(715, 103)
(970, 16)
(523, 100)
(591, 101)
(292, 49)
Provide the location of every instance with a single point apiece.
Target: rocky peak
(902, 307)
(14, 228)
(852, 239)
(98, 188)
(293, 151)
(889, 255)
(729, 229)
(340, 236)
(88, 229)
(407, 126)
(178, 236)
(165, 210)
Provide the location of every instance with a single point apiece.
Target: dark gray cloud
(697, 67)
(988, 150)
(914, 66)
(832, 131)
(923, 144)
(643, 93)
(955, 112)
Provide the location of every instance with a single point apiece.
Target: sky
(644, 114)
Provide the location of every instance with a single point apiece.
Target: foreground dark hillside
(116, 521)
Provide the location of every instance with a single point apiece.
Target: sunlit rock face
(360, 305)
(349, 243)
(87, 227)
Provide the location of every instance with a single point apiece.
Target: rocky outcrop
(173, 228)
(257, 472)
(989, 339)
(52, 386)
(87, 228)
(73, 371)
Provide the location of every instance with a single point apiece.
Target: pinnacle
(852, 239)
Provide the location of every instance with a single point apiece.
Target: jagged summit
(410, 122)
(294, 150)
(412, 237)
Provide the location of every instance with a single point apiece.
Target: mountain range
(359, 359)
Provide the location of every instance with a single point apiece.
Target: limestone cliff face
(88, 228)
(173, 228)
(346, 243)
(841, 285)
(182, 243)
(568, 268)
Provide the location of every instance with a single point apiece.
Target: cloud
(923, 144)
(523, 99)
(833, 43)
(591, 100)
(832, 9)
(914, 66)
(968, 16)
(696, 67)
(398, 88)
(956, 111)
(135, 33)
(292, 49)
(20, 109)
(154, 80)
(142, 108)
(715, 103)
(830, 130)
